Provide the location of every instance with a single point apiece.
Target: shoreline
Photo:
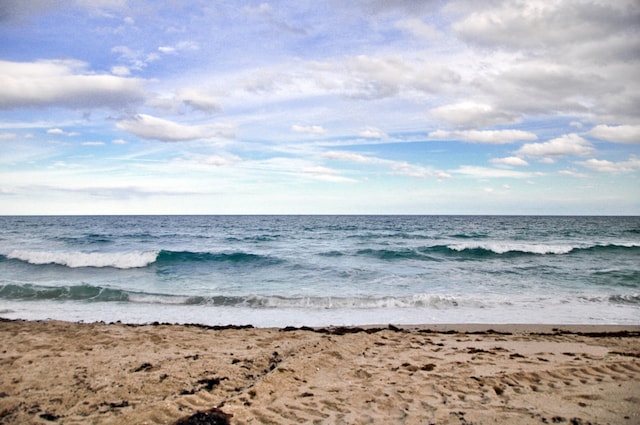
(158, 373)
(468, 328)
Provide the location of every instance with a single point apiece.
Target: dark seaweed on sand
(212, 416)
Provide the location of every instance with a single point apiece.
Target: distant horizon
(445, 107)
(323, 215)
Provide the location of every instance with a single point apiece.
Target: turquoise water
(321, 270)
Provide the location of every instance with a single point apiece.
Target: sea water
(321, 270)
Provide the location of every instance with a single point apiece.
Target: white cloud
(260, 10)
(167, 49)
(318, 170)
(135, 59)
(418, 28)
(512, 161)
(61, 132)
(18, 10)
(569, 144)
(539, 57)
(373, 78)
(220, 161)
(265, 12)
(121, 71)
(604, 166)
(349, 156)
(372, 133)
(571, 173)
(471, 114)
(494, 137)
(491, 173)
(403, 168)
(538, 86)
(149, 127)
(328, 176)
(7, 136)
(14, 10)
(119, 142)
(540, 23)
(441, 174)
(64, 84)
(201, 162)
(101, 7)
(199, 100)
(617, 133)
(360, 77)
(179, 47)
(397, 167)
(93, 144)
(308, 129)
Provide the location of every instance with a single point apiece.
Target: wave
(490, 248)
(393, 254)
(88, 239)
(413, 301)
(136, 259)
(469, 236)
(91, 293)
(625, 299)
(483, 250)
(165, 257)
(456, 251)
(387, 236)
(332, 254)
(629, 246)
(80, 292)
(118, 260)
(255, 238)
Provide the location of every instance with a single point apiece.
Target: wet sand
(69, 373)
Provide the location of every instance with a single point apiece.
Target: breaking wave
(130, 260)
(483, 250)
(456, 251)
(119, 260)
(89, 293)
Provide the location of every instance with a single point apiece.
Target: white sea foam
(162, 299)
(387, 302)
(627, 244)
(502, 248)
(119, 260)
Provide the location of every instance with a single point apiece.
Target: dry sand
(65, 373)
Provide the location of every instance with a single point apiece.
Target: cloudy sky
(369, 106)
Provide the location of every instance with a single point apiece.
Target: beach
(97, 373)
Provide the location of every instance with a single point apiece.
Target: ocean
(275, 271)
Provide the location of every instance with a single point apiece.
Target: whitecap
(119, 260)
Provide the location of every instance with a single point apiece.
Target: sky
(320, 107)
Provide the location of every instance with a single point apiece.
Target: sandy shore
(56, 372)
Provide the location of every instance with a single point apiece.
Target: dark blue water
(321, 270)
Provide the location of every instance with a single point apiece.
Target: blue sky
(316, 107)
